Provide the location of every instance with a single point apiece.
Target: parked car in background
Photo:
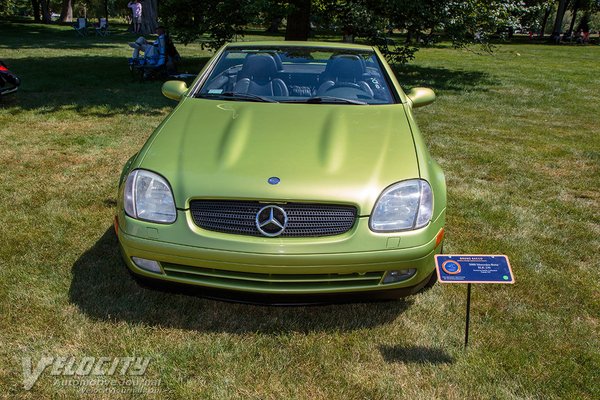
(286, 169)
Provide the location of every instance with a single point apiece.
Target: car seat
(259, 76)
(344, 70)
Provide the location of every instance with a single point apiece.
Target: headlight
(403, 206)
(148, 196)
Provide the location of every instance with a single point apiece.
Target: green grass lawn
(518, 135)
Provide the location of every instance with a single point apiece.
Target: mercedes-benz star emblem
(271, 221)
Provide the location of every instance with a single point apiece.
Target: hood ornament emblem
(273, 180)
(271, 221)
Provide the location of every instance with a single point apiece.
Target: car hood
(320, 152)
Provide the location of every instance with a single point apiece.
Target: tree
(298, 20)
(421, 19)
(584, 23)
(272, 13)
(6, 7)
(545, 21)
(66, 14)
(213, 22)
(586, 6)
(354, 18)
(13, 7)
(576, 6)
(35, 7)
(534, 14)
(149, 16)
(560, 14)
(45, 5)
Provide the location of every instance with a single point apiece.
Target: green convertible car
(287, 170)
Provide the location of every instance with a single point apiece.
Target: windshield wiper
(236, 96)
(328, 99)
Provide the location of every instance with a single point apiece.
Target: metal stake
(468, 315)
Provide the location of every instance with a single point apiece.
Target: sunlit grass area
(517, 133)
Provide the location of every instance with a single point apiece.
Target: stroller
(9, 82)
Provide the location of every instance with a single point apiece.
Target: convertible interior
(294, 75)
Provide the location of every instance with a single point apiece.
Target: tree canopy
(214, 22)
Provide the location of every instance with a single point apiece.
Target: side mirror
(421, 96)
(174, 89)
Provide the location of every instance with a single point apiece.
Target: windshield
(298, 75)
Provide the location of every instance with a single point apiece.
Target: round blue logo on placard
(451, 267)
(273, 180)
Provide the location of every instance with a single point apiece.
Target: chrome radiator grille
(303, 220)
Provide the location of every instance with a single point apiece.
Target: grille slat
(192, 272)
(275, 283)
(304, 220)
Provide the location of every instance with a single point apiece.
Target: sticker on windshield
(215, 91)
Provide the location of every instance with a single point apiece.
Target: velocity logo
(82, 367)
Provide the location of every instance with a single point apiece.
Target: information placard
(473, 268)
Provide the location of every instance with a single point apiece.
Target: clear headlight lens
(148, 196)
(403, 206)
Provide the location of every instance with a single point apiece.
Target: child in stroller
(9, 82)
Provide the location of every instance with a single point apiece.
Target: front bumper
(355, 262)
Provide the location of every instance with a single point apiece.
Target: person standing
(136, 9)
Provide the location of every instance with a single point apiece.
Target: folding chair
(81, 26)
(102, 28)
(143, 71)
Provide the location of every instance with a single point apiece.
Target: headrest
(258, 67)
(345, 67)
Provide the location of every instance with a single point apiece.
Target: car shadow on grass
(415, 354)
(443, 79)
(102, 289)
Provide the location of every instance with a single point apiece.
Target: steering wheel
(356, 90)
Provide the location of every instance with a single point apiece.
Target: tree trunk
(274, 25)
(560, 14)
(66, 13)
(545, 21)
(35, 6)
(149, 16)
(572, 25)
(45, 11)
(430, 35)
(298, 21)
